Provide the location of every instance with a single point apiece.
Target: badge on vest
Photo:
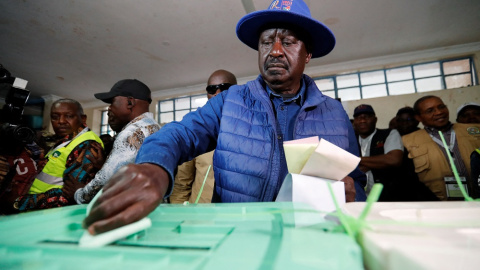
(473, 131)
(56, 154)
(453, 189)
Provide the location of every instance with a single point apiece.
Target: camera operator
(19, 154)
(66, 161)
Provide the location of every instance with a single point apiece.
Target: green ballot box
(203, 236)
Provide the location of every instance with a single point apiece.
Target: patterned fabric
(125, 149)
(78, 168)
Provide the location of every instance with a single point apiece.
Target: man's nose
(61, 119)
(277, 49)
(218, 91)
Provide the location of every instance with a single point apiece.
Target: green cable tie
(372, 198)
(353, 225)
(344, 219)
(203, 184)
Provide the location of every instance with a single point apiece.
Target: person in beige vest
(190, 175)
(430, 157)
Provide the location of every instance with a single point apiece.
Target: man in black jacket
(382, 151)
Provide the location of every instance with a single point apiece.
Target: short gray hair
(71, 101)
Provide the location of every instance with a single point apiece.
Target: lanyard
(66, 142)
(452, 141)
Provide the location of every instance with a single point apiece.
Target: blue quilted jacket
(240, 125)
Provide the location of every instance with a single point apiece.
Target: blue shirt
(286, 112)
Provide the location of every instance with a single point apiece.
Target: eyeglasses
(212, 89)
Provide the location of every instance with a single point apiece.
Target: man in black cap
(246, 125)
(382, 151)
(129, 117)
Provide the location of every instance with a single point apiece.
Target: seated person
(66, 162)
(405, 121)
(429, 154)
(129, 117)
(382, 153)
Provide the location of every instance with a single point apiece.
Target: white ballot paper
(312, 164)
(99, 240)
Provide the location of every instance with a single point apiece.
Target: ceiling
(77, 48)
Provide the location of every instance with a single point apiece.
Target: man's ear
(84, 119)
(309, 56)
(130, 102)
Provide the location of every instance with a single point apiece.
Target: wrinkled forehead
(65, 107)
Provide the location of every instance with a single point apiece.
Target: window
(104, 127)
(176, 108)
(423, 77)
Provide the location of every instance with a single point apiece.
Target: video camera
(13, 135)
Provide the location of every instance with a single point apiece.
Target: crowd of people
(412, 163)
(240, 131)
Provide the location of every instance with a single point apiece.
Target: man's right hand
(130, 195)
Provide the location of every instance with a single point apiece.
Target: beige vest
(430, 163)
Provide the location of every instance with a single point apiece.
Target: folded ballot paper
(312, 164)
(99, 240)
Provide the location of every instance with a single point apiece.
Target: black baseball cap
(127, 88)
(363, 108)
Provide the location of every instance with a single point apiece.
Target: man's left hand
(349, 189)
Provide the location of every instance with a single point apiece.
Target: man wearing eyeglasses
(429, 154)
(219, 81)
(190, 176)
(246, 125)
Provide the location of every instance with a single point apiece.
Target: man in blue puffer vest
(246, 125)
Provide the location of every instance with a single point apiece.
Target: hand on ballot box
(130, 195)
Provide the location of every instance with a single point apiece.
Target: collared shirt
(286, 111)
(124, 151)
(454, 150)
(78, 168)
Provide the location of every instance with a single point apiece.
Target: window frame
(174, 111)
(389, 83)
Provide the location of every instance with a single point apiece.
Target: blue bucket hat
(294, 12)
